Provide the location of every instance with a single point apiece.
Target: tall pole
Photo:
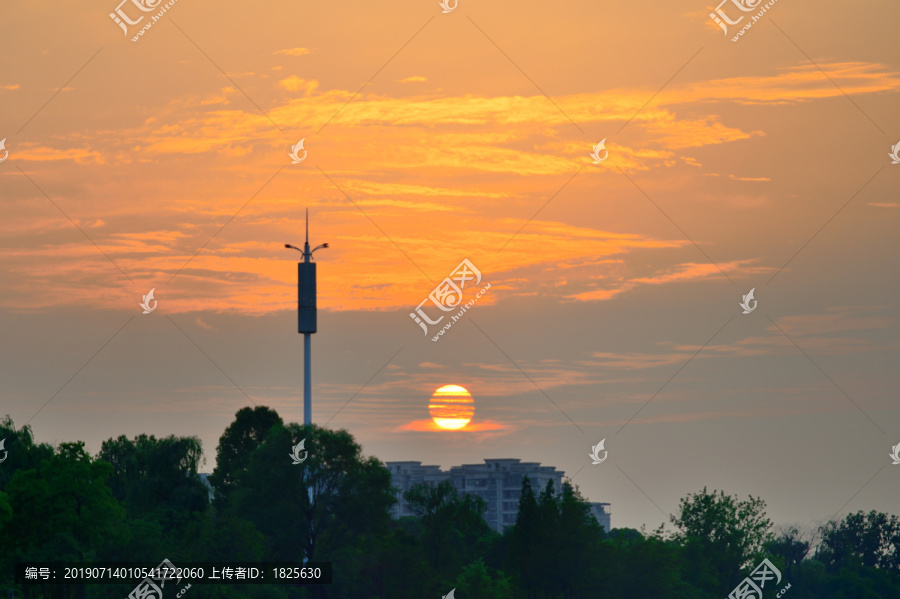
(307, 381)
(307, 340)
(306, 315)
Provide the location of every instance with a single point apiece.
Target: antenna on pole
(306, 313)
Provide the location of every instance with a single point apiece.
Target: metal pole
(307, 346)
(307, 382)
(306, 315)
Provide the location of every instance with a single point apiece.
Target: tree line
(143, 500)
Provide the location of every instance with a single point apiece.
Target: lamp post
(306, 313)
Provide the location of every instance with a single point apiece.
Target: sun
(451, 407)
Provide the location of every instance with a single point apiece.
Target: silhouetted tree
(141, 500)
(452, 524)
(331, 507)
(789, 546)
(237, 443)
(477, 581)
(21, 451)
(722, 534)
(156, 476)
(525, 556)
(871, 540)
(575, 546)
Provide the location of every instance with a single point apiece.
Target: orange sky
(444, 161)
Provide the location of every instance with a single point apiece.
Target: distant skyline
(613, 310)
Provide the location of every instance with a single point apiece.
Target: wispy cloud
(294, 51)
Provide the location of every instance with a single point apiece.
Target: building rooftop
(498, 481)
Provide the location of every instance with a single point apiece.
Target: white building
(602, 514)
(497, 481)
(406, 474)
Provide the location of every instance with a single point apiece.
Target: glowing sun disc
(451, 407)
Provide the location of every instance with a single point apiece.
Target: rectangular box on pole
(306, 297)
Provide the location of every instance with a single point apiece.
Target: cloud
(837, 320)
(293, 51)
(482, 165)
(294, 84)
(376, 188)
(689, 271)
(792, 85)
(472, 427)
(48, 154)
(813, 332)
(749, 178)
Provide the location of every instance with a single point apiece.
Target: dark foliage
(142, 499)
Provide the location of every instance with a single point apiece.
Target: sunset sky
(436, 137)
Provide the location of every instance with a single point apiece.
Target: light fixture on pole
(306, 313)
